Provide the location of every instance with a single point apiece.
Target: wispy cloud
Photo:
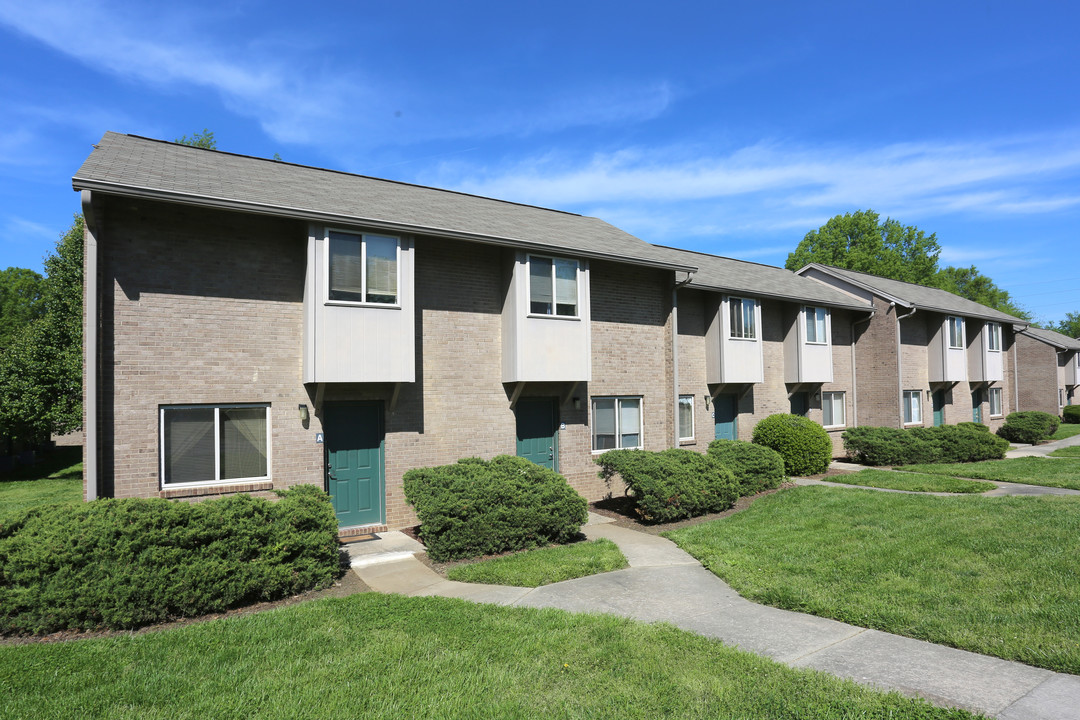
(19, 230)
(295, 95)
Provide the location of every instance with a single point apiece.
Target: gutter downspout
(900, 368)
(675, 355)
(90, 349)
(854, 383)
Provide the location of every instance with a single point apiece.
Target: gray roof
(918, 296)
(727, 275)
(1051, 337)
(142, 167)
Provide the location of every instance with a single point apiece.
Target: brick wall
(875, 361)
(1037, 369)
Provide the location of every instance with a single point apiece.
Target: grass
(57, 479)
(1065, 431)
(913, 482)
(1030, 470)
(1071, 451)
(992, 575)
(381, 656)
(543, 566)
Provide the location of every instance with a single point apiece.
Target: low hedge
(1030, 426)
(755, 467)
(671, 484)
(477, 507)
(802, 443)
(966, 442)
(1070, 414)
(124, 563)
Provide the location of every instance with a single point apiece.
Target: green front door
(354, 462)
(938, 398)
(538, 431)
(725, 414)
(976, 405)
(800, 403)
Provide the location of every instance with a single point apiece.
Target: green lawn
(1030, 470)
(914, 482)
(992, 575)
(543, 566)
(1071, 451)
(1065, 431)
(385, 656)
(57, 479)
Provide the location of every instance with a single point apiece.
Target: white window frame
(993, 337)
(554, 305)
(217, 445)
(690, 437)
(821, 325)
(959, 331)
(743, 305)
(999, 410)
(618, 422)
(363, 264)
(909, 415)
(827, 401)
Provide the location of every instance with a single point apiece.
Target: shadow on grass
(62, 463)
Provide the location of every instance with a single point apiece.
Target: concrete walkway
(664, 584)
(1041, 450)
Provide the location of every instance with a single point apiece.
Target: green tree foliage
(970, 283)
(859, 241)
(21, 303)
(204, 140)
(41, 371)
(1069, 326)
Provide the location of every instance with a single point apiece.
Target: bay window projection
(616, 423)
(202, 444)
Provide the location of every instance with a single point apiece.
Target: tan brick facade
(1038, 375)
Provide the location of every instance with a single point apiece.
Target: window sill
(539, 316)
(601, 452)
(216, 489)
(913, 424)
(834, 428)
(687, 441)
(743, 339)
(347, 303)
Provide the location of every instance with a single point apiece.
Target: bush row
(125, 563)
(965, 442)
(477, 507)
(754, 467)
(671, 484)
(1031, 427)
(1070, 414)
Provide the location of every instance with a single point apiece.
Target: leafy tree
(1069, 326)
(20, 301)
(205, 140)
(41, 371)
(859, 241)
(970, 283)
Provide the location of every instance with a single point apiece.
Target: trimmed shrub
(671, 484)
(755, 467)
(964, 442)
(125, 563)
(1031, 427)
(802, 443)
(1070, 414)
(479, 507)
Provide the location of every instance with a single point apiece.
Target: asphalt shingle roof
(920, 296)
(1052, 337)
(739, 276)
(138, 166)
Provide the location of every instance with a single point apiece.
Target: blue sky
(731, 128)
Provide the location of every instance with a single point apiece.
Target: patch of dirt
(625, 514)
(348, 584)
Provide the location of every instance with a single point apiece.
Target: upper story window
(363, 268)
(815, 324)
(956, 332)
(553, 286)
(743, 324)
(993, 337)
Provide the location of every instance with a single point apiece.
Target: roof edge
(776, 296)
(146, 193)
(827, 269)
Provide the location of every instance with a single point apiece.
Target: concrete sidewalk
(664, 584)
(1041, 450)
